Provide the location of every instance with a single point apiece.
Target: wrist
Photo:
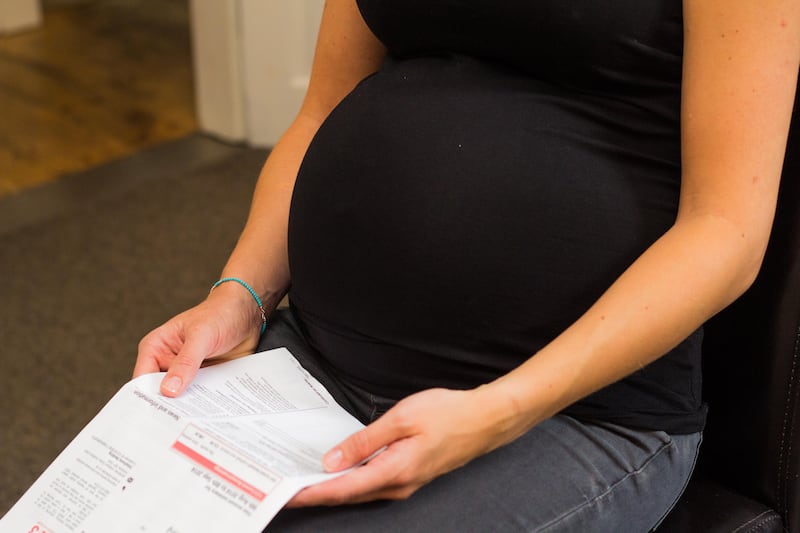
(245, 302)
(510, 406)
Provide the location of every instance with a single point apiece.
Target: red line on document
(221, 472)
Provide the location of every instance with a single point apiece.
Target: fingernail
(172, 384)
(332, 460)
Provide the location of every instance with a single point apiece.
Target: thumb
(184, 366)
(361, 445)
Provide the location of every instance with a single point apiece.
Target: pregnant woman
(501, 226)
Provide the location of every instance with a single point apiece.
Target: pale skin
(741, 62)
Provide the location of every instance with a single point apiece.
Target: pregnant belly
(450, 210)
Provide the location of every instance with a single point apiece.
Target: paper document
(227, 455)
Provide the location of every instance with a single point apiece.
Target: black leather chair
(748, 474)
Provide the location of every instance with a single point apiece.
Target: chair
(748, 474)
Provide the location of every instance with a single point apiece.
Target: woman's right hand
(226, 323)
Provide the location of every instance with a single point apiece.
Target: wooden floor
(99, 80)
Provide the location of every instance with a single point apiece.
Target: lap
(562, 475)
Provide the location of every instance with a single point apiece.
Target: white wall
(18, 15)
(252, 59)
(217, 68)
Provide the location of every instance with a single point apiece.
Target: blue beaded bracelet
(252, 293)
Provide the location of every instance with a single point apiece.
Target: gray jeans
(562, 475)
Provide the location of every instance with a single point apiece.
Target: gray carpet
(82, 282)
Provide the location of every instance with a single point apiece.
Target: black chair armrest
(709, 507)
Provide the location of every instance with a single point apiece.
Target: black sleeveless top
(465, 204)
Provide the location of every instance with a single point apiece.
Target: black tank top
(468, 202)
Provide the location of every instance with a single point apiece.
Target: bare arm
(346, 53)
(228, 321)
(740, 74)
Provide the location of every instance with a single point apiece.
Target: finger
(362, 444)
(145, 365)
(388, 475)
(147, 358)
(183, 368)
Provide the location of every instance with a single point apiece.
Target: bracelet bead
(252, 293)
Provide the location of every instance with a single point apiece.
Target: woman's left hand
(425, 435)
